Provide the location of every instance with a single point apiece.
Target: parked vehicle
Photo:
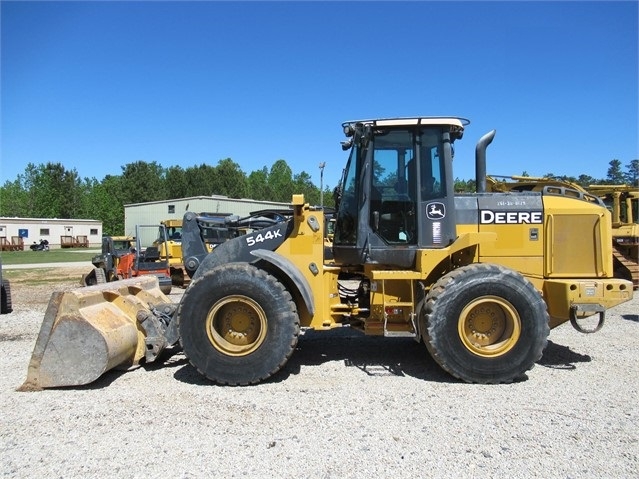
(124, 257)
(43, 245)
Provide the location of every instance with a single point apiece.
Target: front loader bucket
(91, 330)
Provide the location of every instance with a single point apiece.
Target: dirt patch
(34, 286)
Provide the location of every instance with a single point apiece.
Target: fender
(291, 271)
(239, 249)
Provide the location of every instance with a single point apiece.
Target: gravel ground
(344, 406)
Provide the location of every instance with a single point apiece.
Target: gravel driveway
(344, 406)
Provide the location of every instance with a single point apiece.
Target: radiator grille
(573, 245)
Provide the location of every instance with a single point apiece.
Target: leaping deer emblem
(434, 211)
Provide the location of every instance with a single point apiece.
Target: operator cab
(396, 194)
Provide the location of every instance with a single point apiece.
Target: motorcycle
(42, 246)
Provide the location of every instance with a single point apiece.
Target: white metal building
(20, 233)
(153, 212)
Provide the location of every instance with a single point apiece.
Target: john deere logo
(488, 217)
(435, 211)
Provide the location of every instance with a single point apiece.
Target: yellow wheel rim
(489, 326)
(236, 325)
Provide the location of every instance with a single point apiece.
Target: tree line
(52, 191)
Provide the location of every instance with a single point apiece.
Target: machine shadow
(557, 356)
(372, 355)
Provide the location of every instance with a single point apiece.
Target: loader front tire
(485, 324)
(238, 324)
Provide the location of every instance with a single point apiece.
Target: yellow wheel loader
(623, 201)
(169, 245)
(480, 278)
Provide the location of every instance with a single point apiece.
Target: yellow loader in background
(623, 202)
(169, 244)
(479, 279)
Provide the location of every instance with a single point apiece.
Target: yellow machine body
(478, 278)
(567, 272)
(621, 200)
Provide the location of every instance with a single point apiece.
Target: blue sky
(98, 85)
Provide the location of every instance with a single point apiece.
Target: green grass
(66, 255)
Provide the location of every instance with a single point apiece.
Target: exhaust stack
(480, 160)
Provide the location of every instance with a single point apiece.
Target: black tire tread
(6, 306)
(440, 289)
(274, 284)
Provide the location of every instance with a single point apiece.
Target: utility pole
(321, 167)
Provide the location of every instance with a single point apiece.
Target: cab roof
(409, 121)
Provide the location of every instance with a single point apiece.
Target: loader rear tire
(238, 324)
(485, 324)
